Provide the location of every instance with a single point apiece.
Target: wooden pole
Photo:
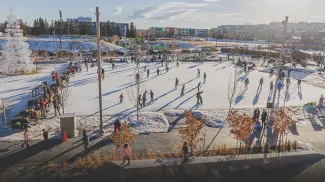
(99, 72)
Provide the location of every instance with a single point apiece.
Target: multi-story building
(201, 32)
(80, 20)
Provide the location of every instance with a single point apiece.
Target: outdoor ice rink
(84, 88)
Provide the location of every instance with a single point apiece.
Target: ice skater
(158, 71)
(145, 68)
(121, 98)
(148, 73)
(198, 86)
(246, 83)
(176, 83)
(137, 77)
(182, 92)
(271, 86)
(299, 85)
(167, 68)
(198, 73)
(199, 98)
(177, 63)
(144, 99)
(151, 96)
(204, 77)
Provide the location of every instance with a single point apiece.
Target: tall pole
(279, 64)
(61, 32)
(99, 72)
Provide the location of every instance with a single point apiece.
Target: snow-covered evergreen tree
(15, 56)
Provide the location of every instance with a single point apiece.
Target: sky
(164, 13)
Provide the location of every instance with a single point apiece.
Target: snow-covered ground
(69, 43)
(84, 95)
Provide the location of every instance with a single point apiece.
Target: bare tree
(135, 91)
(65, 95)
(289, 93)
(232, 88)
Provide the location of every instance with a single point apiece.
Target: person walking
(86, 63)
(56, 105)
(26, 137)
(177, 63)
(148, 73)
(85, 139)
(46, 137)
(271, 86)
(121, 98)
(263, 118)
(199, 98)
(204, 77)
(198, 73)
(137, 77)
(151, 96)
(321, 103)
(145, 68)
(176, 83)
(42, 107)
(126, 153)
(103, 73)
(158, 71)
(185, 152)
(257, 114)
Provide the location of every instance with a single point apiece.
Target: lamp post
(99, 72)
(279, 64)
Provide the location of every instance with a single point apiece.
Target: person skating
(261, 81)
(139, 101)
(199, 98)
(182, 91)
(145, 68)
(198, 86)
(204, 77)
(126, 153)
(299, 84)
(198, 73)
(144, 99)
(167, 68)
(246, 83)
(263, 118)
(148, 73)
(121, 98)
(85, 140)
(151, 96)
(220, 59)
(26, 138)
(158, 71)
(177, 63)
(176, 83)
(271, 86)
(137, 77)
(103, 74)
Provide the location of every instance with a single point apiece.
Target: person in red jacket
(56, 75)
(121, 98)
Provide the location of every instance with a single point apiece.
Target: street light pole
(279, 64)
(99, 72)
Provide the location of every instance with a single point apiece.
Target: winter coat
(126, 152)
(85, 139)
(121, 96)
(264, 116)
(185, 150)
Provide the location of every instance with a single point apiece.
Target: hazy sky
(163, 13)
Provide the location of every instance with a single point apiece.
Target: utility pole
(99, 73)
(61, 21)
(279, 64)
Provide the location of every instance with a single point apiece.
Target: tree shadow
(293, 129)
(185, 100)
(194, 66)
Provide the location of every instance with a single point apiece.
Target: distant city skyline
(160, 13)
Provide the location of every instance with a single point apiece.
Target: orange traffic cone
(65, 136)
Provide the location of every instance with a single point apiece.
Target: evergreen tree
(23, 26)
(109, 28)
(103, 31)
(133, 31)
(65, 28)
(128, 33)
